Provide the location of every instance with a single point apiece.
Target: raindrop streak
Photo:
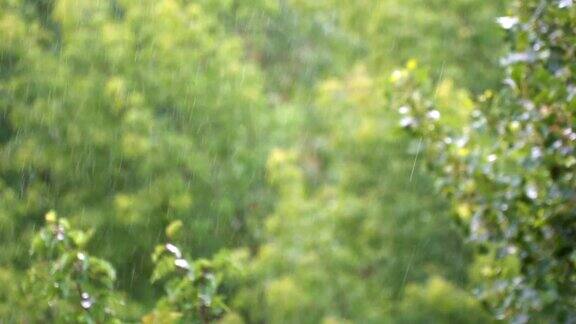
(415, 159)
(433, 115)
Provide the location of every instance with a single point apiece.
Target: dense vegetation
(178, 161)
(510, 170)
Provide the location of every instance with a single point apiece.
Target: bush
(510, 169)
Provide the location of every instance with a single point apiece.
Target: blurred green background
(263, 126)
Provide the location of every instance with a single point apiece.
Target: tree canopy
(287, 161)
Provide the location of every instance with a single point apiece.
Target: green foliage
(65, 284)
(436, 302)
(191, 288)
(510, 169)
(126, 117)
(257, 127)
(458, 38)
(342, 243)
